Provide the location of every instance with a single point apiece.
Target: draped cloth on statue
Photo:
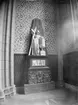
(36, 23)
(37, 47)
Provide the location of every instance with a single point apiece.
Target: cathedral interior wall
(57, 24)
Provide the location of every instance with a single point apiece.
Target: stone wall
(25, 12)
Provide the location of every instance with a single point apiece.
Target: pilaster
(10, 89)
(2, 96)
(60, 68)
(12, 46)
(7, 87)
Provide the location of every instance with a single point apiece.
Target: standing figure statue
(37, 47)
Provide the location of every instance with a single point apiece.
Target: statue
(38, 62)
(37, 47)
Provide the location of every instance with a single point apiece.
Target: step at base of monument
(40, 87)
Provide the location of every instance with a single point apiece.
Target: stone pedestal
(39, 87)
(39, 75)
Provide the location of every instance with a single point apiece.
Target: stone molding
(71, 87)
(2, 96)
(39, 87)
(7, 92)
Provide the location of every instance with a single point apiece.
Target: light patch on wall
(66, 37)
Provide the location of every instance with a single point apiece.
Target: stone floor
(54, 97)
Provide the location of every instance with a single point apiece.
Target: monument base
(40, 87)
(39, 75)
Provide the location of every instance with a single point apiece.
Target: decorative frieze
(39, 76)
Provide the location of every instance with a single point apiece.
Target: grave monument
(39, 73)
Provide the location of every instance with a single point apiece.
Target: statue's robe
(37, 44)
(37, 39)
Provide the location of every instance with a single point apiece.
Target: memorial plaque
(38, 62)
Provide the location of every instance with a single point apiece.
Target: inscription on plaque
(38, 62)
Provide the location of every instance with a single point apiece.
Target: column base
(7, 92)
(2, 96)
(60, 84)
(10, 91)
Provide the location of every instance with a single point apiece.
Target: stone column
(59, 48)
(60, 68)
(12, 44)
(6, 51)
(9, 49)
(2, 96)
(6, 56)
(8, 43)
(1, 74)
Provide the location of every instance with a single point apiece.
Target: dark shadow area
(20, 90)
(71, 68)
(53, 64)
(20, 71)
(2, 1)
(58, 1)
